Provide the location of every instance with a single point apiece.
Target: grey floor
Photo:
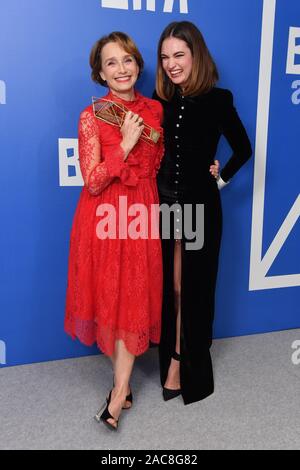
(256, 404)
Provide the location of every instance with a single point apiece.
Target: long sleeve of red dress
(98, 174)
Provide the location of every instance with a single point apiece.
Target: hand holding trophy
(131, 131)
(117, 114)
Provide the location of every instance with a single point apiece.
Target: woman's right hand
(131, 131)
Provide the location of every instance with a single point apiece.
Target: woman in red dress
(114, 291)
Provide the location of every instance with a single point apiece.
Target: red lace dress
(114, 288)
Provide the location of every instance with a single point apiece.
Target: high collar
(127, 103)
(137, 105)
(178, 96)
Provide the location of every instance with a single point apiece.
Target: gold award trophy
(114, 113)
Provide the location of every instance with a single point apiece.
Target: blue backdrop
(45, 83)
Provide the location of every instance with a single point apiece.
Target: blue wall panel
(45, 83)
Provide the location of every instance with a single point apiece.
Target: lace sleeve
(97, 175)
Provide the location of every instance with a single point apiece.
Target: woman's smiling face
(119, 69)
(177, 60)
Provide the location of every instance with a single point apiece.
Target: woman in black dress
(196, 114)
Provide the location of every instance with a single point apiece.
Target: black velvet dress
(193, 127)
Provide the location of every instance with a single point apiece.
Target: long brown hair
(204, 74)
(124, 41)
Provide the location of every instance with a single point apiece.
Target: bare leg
(173, 379)
(127, 404)
(123, 362)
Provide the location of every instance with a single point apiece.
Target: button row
(177, 230)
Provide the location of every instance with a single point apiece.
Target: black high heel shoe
(130, 399)
(105, 416)
(168, 393)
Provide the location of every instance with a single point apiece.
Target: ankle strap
(176, 356)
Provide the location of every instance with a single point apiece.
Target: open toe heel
(129, 398)
(105, 416)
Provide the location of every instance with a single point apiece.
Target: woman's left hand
(214, 169)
